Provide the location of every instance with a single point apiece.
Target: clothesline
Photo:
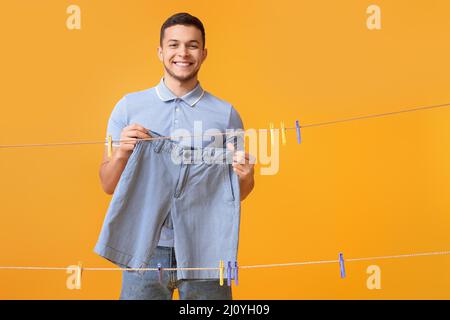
(224, 133)
(221, 267)
(245, 267)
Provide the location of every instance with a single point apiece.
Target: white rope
(218, 134)
(243, 267)
(401, 256)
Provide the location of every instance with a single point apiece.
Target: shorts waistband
(190, 154)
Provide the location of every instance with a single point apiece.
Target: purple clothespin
(297, 127)
(235, 273)
(341, 265)
(229, 274)
(160, 273)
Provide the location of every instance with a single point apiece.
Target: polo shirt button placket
(177, 109)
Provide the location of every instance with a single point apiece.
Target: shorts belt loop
(158, 145)
(209, 156)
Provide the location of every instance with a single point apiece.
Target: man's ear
(205, 54)
(159, 53)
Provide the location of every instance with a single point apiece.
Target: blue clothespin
(235, 273)
(341, 265)
(160, 273)
(297, 127)
(229, 274)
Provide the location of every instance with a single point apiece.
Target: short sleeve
(235, 121)
(117, 121)
(235, 130)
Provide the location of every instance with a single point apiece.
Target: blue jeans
(145, 285)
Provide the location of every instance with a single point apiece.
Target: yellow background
(365, 188)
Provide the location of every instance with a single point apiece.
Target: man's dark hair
(184, 19)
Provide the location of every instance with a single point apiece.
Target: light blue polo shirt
(161, 111)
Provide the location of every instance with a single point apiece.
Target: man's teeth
(182, 64)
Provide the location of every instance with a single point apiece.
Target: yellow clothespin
(283, 133)
(272, 136)
(221, 272)
(79, 272)
(109, 146)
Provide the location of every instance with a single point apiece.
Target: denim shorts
(148, 285)
(199, 189)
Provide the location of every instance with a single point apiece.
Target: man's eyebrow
(188, 41)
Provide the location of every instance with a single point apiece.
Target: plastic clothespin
(78, 278)
(283, 133)
(297, 127)
(229, 274)
(341, 265)
(235, 273)
(109, 146)
(221, 272)
(272, 136)
(160, 273)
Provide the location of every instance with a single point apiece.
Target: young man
(175, 103)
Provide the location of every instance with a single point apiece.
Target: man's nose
(183, 51)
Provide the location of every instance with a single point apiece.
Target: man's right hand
(132, 133)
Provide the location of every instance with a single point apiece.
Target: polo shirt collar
(191, 98)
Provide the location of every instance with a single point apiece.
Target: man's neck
(180, 88)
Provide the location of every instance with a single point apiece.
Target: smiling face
(182, 52)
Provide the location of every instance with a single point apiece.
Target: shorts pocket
(130, 165)
(182, 179)
(229, 193)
